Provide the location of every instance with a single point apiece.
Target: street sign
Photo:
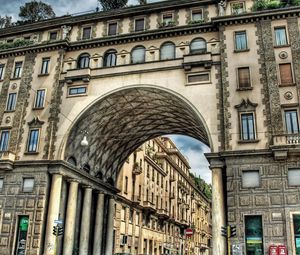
(188, 232)
(58, 221)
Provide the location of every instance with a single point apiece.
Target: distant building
(158, 202)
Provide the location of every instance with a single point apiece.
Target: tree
(112, 4)
(5, 21)
(36, 11)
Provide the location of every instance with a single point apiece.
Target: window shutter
(244, 77)
(286, 73)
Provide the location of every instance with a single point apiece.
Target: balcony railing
(287, 139)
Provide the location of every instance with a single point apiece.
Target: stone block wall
(15, 202)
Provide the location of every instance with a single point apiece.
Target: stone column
(110, 227)
(70, 219)
(85, 222)
(218, 209)
(53, 213)
(98, 225)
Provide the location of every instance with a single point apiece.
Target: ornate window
(11, 102)
(45, 66)
(240, 39)
(246, 112)
(291, 121)
(4, 140)
(83, 61)
(18, 70)
(198, 45)
(34, 135)
(167, 51)
(39, 98)
(138, 55)
(280, 36)
(110, 58)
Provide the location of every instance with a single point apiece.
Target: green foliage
(260, 5)
(191, 22)
(36, 11)
(202, 186)
(295, 2)
(15, 44)
(112, 4)
(5, 21)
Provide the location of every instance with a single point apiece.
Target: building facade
(158, 202)
(79, 94)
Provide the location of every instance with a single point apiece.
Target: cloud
(194, 151)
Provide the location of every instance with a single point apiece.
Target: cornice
(252, 17)
(99, 16)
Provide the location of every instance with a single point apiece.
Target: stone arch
(119, 122)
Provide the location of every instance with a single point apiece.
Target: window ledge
(43, 74)
(287, 85)
(248, 141)
(31, 153)
(282, 46)
(9, 111)
(239, 51)
(38, 108)
(15, 78)
(244, 89)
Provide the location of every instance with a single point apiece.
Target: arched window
(86, 168)
(198, 45)
(167, 51)
(110, 58)
(83, 61)
(72, 161)
(138, 55)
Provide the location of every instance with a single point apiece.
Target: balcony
(78, 74)
(196, 60)
(287, 139)
(6, 160)
(137, 169)
(149, 206)
(163, 214)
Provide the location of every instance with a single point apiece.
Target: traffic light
(55, 230)
(224, 231)
(60, 230)
(232, 231)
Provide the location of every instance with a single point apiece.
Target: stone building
(79, 94)
(158, 202)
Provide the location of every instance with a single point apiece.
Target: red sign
(188, 232)
(273, 250)
(282, 250)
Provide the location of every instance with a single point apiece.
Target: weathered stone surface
(276, 200)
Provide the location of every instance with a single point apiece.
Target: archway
(117, 124)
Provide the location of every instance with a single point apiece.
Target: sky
(192, 149)
(60, 7)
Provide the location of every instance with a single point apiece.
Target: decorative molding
(35, 122)
(246, 105)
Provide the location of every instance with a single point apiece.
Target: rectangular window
(33, 140)
(250, 179)
(131, 215)
(286, 75)
(126, 184)
(198, 78)
(296, 223)
(2, 66)
(11, 102)
(280, 36)
(18, 70)
(4, 139)
(294, 177)
(39, 98)
(28, 184)
(137, 218)
(112, 28)
(244, 78)
(167, 18)
(45, 66)
(291, 121)
(123, 210)
(197, 15)
(53, 35)
(240, 38)
(140, 192)
(1, 184)
(139, 25)
(237, 8)
(254, 235)
(77, 91)
(86, 32)
(247, 126)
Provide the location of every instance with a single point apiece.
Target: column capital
(86, 186)
(215, 161)
(73, 180)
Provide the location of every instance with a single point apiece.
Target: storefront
(254, 235)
